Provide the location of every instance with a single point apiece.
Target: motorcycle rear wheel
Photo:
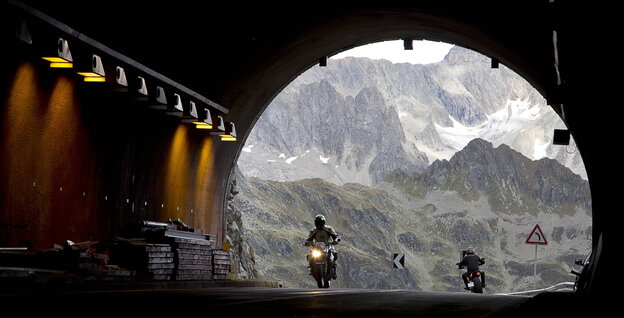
(477, 288)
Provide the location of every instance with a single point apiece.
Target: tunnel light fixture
(160, 99)
(22, 32)
(96, 72)
(227, 131)
(206, 122)
(230, 132)
(176, 108)
(202, 126)
(120, 77)
(141, 86)
(63, 57)
(216, 125)
(191, 116)
(140, 89)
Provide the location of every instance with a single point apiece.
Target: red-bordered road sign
(536, 236)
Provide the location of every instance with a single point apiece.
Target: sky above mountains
(424, 52)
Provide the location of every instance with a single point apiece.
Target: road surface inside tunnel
(276, 302)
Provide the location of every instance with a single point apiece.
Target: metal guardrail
(561, 287)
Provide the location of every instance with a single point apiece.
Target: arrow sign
(398, 260)
(536, 236)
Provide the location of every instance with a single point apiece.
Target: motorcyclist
(324, 233)
(472, 262)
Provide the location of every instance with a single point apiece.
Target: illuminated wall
(80, 162)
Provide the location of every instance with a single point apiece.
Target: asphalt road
(283, 302)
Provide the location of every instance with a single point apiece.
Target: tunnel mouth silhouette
(262, 61)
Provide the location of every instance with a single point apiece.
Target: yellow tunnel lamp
(96, 72)
(206, 122)
(230, 132)
(217, 124)
(63, 57)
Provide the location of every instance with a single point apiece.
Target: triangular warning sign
(536, 236)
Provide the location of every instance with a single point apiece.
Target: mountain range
(358, 119)
(430, 217)
(424, 160)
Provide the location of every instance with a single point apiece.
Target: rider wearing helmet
(472, 262)
(323, 233)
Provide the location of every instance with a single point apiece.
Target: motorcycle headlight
(316, 253)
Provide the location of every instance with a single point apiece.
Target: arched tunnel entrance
(543, 73)
(337, 142)
(260, 49)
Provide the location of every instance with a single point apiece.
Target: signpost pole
(535, 269)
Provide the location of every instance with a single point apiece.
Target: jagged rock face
(511, 182)
(242, 257)
(430, 217)
(357, 119)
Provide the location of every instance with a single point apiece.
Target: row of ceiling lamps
(95, 72)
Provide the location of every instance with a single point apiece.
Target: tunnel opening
(420, 211)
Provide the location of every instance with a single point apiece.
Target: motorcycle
(321, 261)
(475, 284)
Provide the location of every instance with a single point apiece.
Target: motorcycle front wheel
(320, 276)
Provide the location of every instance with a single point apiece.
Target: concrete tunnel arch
(341, 34)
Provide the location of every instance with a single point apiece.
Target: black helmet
(319, 221)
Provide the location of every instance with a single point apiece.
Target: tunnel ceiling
(224, 49)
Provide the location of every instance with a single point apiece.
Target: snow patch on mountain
(515, 118)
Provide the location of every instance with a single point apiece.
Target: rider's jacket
(325, 234)
(472, 262)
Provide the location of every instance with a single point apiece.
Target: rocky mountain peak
(458, 55)
(359, 119)
(512, 182)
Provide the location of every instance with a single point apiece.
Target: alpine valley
(424, 160)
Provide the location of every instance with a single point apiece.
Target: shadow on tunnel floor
(560, 304)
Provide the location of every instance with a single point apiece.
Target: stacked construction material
(193, 259)
(192, 249)
(221, 264)
(151, 260)
(160, 261)
(173, 251)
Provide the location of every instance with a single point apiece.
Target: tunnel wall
(82, 162)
